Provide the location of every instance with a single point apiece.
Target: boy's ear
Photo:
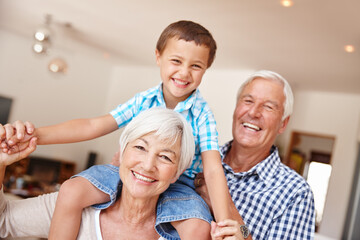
(157, 55)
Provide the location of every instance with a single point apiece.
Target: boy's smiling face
(182, 66)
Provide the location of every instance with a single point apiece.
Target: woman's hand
(22, 151)
(227, 229)
(17, 132)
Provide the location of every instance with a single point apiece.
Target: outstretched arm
(76, 130)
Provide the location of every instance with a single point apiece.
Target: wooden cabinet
(35, 175)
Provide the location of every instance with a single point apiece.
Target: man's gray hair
(272, 76)
(168, 125)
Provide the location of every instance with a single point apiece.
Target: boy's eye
(197, 66)
(176, 61)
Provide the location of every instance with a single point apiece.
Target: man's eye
(248, 101)
(268, 107)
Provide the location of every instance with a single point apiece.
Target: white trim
(97, 224)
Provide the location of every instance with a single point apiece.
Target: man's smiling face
(257, 118)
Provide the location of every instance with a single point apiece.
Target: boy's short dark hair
(188, 31)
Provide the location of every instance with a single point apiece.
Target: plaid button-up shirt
(195, 110)
(274, 201)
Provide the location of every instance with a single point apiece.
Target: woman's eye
(165, 158)
(140, 147)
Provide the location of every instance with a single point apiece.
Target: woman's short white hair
(272, 76)
(166, 124)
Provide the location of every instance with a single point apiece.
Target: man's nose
(255, 111)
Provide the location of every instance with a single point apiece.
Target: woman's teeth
(142, 178)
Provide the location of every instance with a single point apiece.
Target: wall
(136, 79)
(331, 114)
(46, 98)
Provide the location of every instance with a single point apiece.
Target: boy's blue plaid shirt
(195, 110)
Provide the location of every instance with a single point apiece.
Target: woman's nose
(150, 162)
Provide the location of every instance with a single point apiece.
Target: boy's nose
(184, 72)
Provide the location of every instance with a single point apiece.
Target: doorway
(310, 155)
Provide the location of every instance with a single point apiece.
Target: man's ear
(284, 123)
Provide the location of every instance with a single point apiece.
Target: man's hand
(227, 230)
(201, 189)
(116, 159)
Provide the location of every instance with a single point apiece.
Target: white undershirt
(97, 226)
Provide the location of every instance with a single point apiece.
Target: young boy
(183, 52)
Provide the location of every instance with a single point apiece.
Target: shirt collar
(181, 106)
(265, 170)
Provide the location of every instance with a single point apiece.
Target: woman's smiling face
(149, 165)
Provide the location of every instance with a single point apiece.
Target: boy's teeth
(142, 178)
(180, 82)
(251, 126)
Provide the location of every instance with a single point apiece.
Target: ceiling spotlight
(58, 65)
(42, 34)
(39, 48)
(349, 48)
(287, 3)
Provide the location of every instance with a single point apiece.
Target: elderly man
(270, 201)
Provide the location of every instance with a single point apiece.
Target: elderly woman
(155, 148)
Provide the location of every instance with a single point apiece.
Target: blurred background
(63, 59)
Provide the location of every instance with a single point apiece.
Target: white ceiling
(304, 43)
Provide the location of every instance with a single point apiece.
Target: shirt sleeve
(123, 113)
(298, 220)
(26, 217)
(208, 135)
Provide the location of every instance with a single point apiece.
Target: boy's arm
(216, 184)
(76, 130)
(202, 190)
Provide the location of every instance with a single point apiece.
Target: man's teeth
(180, 82)
(142, 178)
(251, 126)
